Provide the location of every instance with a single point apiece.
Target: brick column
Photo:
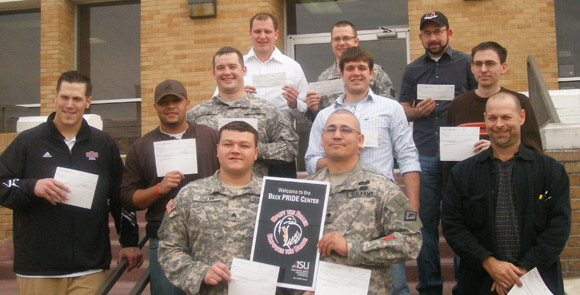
(56, 47)
(570, 258)
(518, 26)
(173, 46)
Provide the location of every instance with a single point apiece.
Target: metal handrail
(539, 95)
(141, 283)
(112, 279)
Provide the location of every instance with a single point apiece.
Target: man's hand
(503, 273)
(481, 145)
(313, 101)
(217, 273)
(425, 107)
(133, 255)
(291, 95)
(250, 89)
(170, 181)
(51, 190)
(332, 242)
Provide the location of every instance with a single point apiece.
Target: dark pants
(283, 169)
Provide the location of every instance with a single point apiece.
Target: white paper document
(532, 284)
(173, 155)
(252, 121)
(436, 92)
(371, 138)
(328, 87)
(82, 186)
(269, 80)
(338, 279)
(252, 278)
(456, 143)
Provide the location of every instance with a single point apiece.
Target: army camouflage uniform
(210, 223)
(380, 226)
(278, 141)
(381, 84)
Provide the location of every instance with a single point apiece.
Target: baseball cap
(170, 87)
(434, 16)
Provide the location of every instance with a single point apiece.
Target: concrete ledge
(561, 136)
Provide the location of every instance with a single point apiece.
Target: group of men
(506, 209)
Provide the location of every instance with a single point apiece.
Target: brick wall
(56, 47)
(5, 213)
(571, 256)
(523, 27)
(177, 47)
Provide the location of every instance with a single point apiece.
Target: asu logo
(286, 237)
(92, 155)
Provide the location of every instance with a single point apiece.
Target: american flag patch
(170, 206)
(410, 215)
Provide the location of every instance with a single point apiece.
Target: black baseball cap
(434, 16)
(170, 87)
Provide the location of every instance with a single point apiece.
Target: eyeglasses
(437, 32)
(344, 39)
(344, 130)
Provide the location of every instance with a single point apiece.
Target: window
(20, 64)
(109, 51)
(567, 27)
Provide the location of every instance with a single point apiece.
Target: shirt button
(436, 132)
(437, 76)
(436, 118)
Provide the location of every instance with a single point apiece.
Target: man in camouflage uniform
(211, 221)
(369, 222)
(344, 36)
(278, 139)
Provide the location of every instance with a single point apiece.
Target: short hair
(500, 50)
(503, 95)
(240, 126)
(75, 77)
(264, 16)
(345, 112)
(228, 50)
(356, 54)
(344, 23)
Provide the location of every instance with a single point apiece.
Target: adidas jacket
(62, 239)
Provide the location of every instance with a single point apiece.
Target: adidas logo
(47, 155)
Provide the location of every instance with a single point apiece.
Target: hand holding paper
(51, 190)
(82, 186)
(252, 278)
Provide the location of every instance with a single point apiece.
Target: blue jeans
(400, 286)
(160, 285)
(429, 261)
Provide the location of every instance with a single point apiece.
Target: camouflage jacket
(278, 140)
(381, 84)
(210, 223)
(380, 226)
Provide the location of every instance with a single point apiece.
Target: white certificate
(269, 80)
(456, 143)
(338, 279)
(328, 87)
(532, 284)
(82, 186)
(251, 121)
(436, 92)
(173, 155)
(252, 278)
(371, 138)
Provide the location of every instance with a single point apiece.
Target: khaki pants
(85, 285)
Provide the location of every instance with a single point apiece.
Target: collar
(340, 100)
(449, 52)
(351, 181)
(523, 153)
(243, 101)
(84, 132)
(276, 55)
(251, 188)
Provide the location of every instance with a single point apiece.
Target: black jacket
(468, 216)
(62, 239)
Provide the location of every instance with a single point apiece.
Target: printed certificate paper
(532, 284)
(328, 87)
(269, 80)
(338, 279)
(82, 186)
(456, 143)
(173, 155)
(289, 224)
(436, 92)
(252, 278)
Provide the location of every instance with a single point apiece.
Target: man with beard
(507, 209)
(143, 189)
(439, 65)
